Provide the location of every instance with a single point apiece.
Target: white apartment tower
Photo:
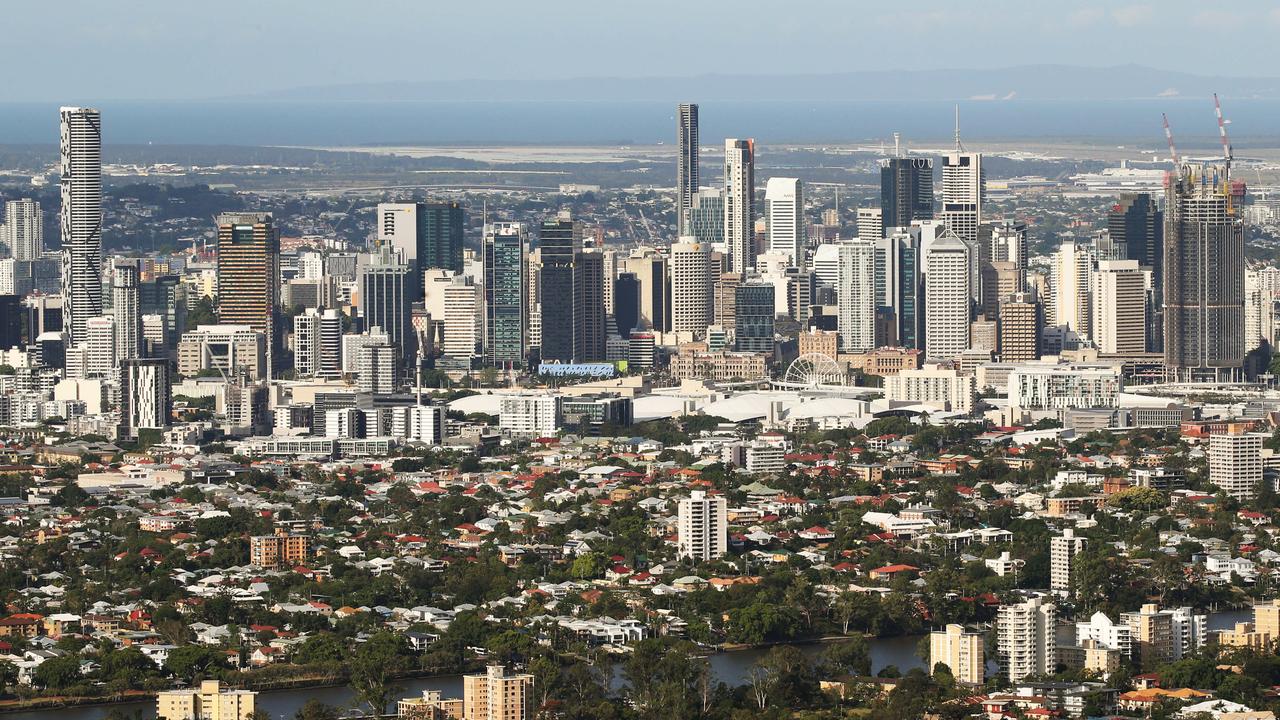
(1235, 461)
(691, 291)
(784, 203)
(1026, 640)
(1062, 552)
(947, 296)
(702, 526)
(856, 295)
(23, 229)
(1119, 311)
(81, 160)
(739, 204)
(462, 328)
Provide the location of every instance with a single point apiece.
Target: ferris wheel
(814, 369)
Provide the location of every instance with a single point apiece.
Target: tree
(371, 667)
(8, 675)
(320, 649)
(588, 566)
(313, 709)
(58, 673)
(852, 656)
(191, 661)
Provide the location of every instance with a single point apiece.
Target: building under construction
(1204, 274)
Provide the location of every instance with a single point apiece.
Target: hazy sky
(77, 50)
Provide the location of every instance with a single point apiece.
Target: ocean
(1255, 122)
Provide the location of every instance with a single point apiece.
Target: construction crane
(1222, 131)
(1173, 151)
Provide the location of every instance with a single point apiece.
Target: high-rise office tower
(99, 347)
(1026, 640)
(1069, 278)
(898, 287)
(165, 296)
(724, 294)
(906, 190)
(702, 526)
(1008, 242)
(1020, 323)
(317, 343)
(947, 297)
(385, 303)
(784, 205)
(1204, 276)
(739, 203)
(999, 281)
(856, 294)
(1137, 225)
(560, 242)
(963, 188)
(650, 270)
(1062, 552)
(462, 327)
(81, 219)
(705, 217)
(626, 303)
(428, 235)
(754, 310)
(376, 368)
(589, 341)
(145, 400)
(686, 163)
(692, 308)
(23, 229)
(505, 291)
(1119, 309)
(870, 223)
(126, 311)
(249, 276)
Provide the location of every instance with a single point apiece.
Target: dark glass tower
(559, 241)
(906, 191)
(626, 303)
(505, 291)
(753, 317)
(384, 302)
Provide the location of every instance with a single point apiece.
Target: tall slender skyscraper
(589, 341)
(784, 203)
(505, 289)
(1136, 223)
(1119, 307)
(559, 243)
(81, 218)
(739, 203)
(856, 293)
(23, 229)
(1204, 275)
(126, 310)
(249, 276)
(686, 163)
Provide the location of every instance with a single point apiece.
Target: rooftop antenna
(1173, 151)
(897, 145)
(1222, 131)
(959, 147)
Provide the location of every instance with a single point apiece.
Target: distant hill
(1056, 82)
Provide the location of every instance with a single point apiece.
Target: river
(730, 668)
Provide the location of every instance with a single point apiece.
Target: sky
(80, 50)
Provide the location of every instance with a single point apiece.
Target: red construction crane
(1173, 151)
